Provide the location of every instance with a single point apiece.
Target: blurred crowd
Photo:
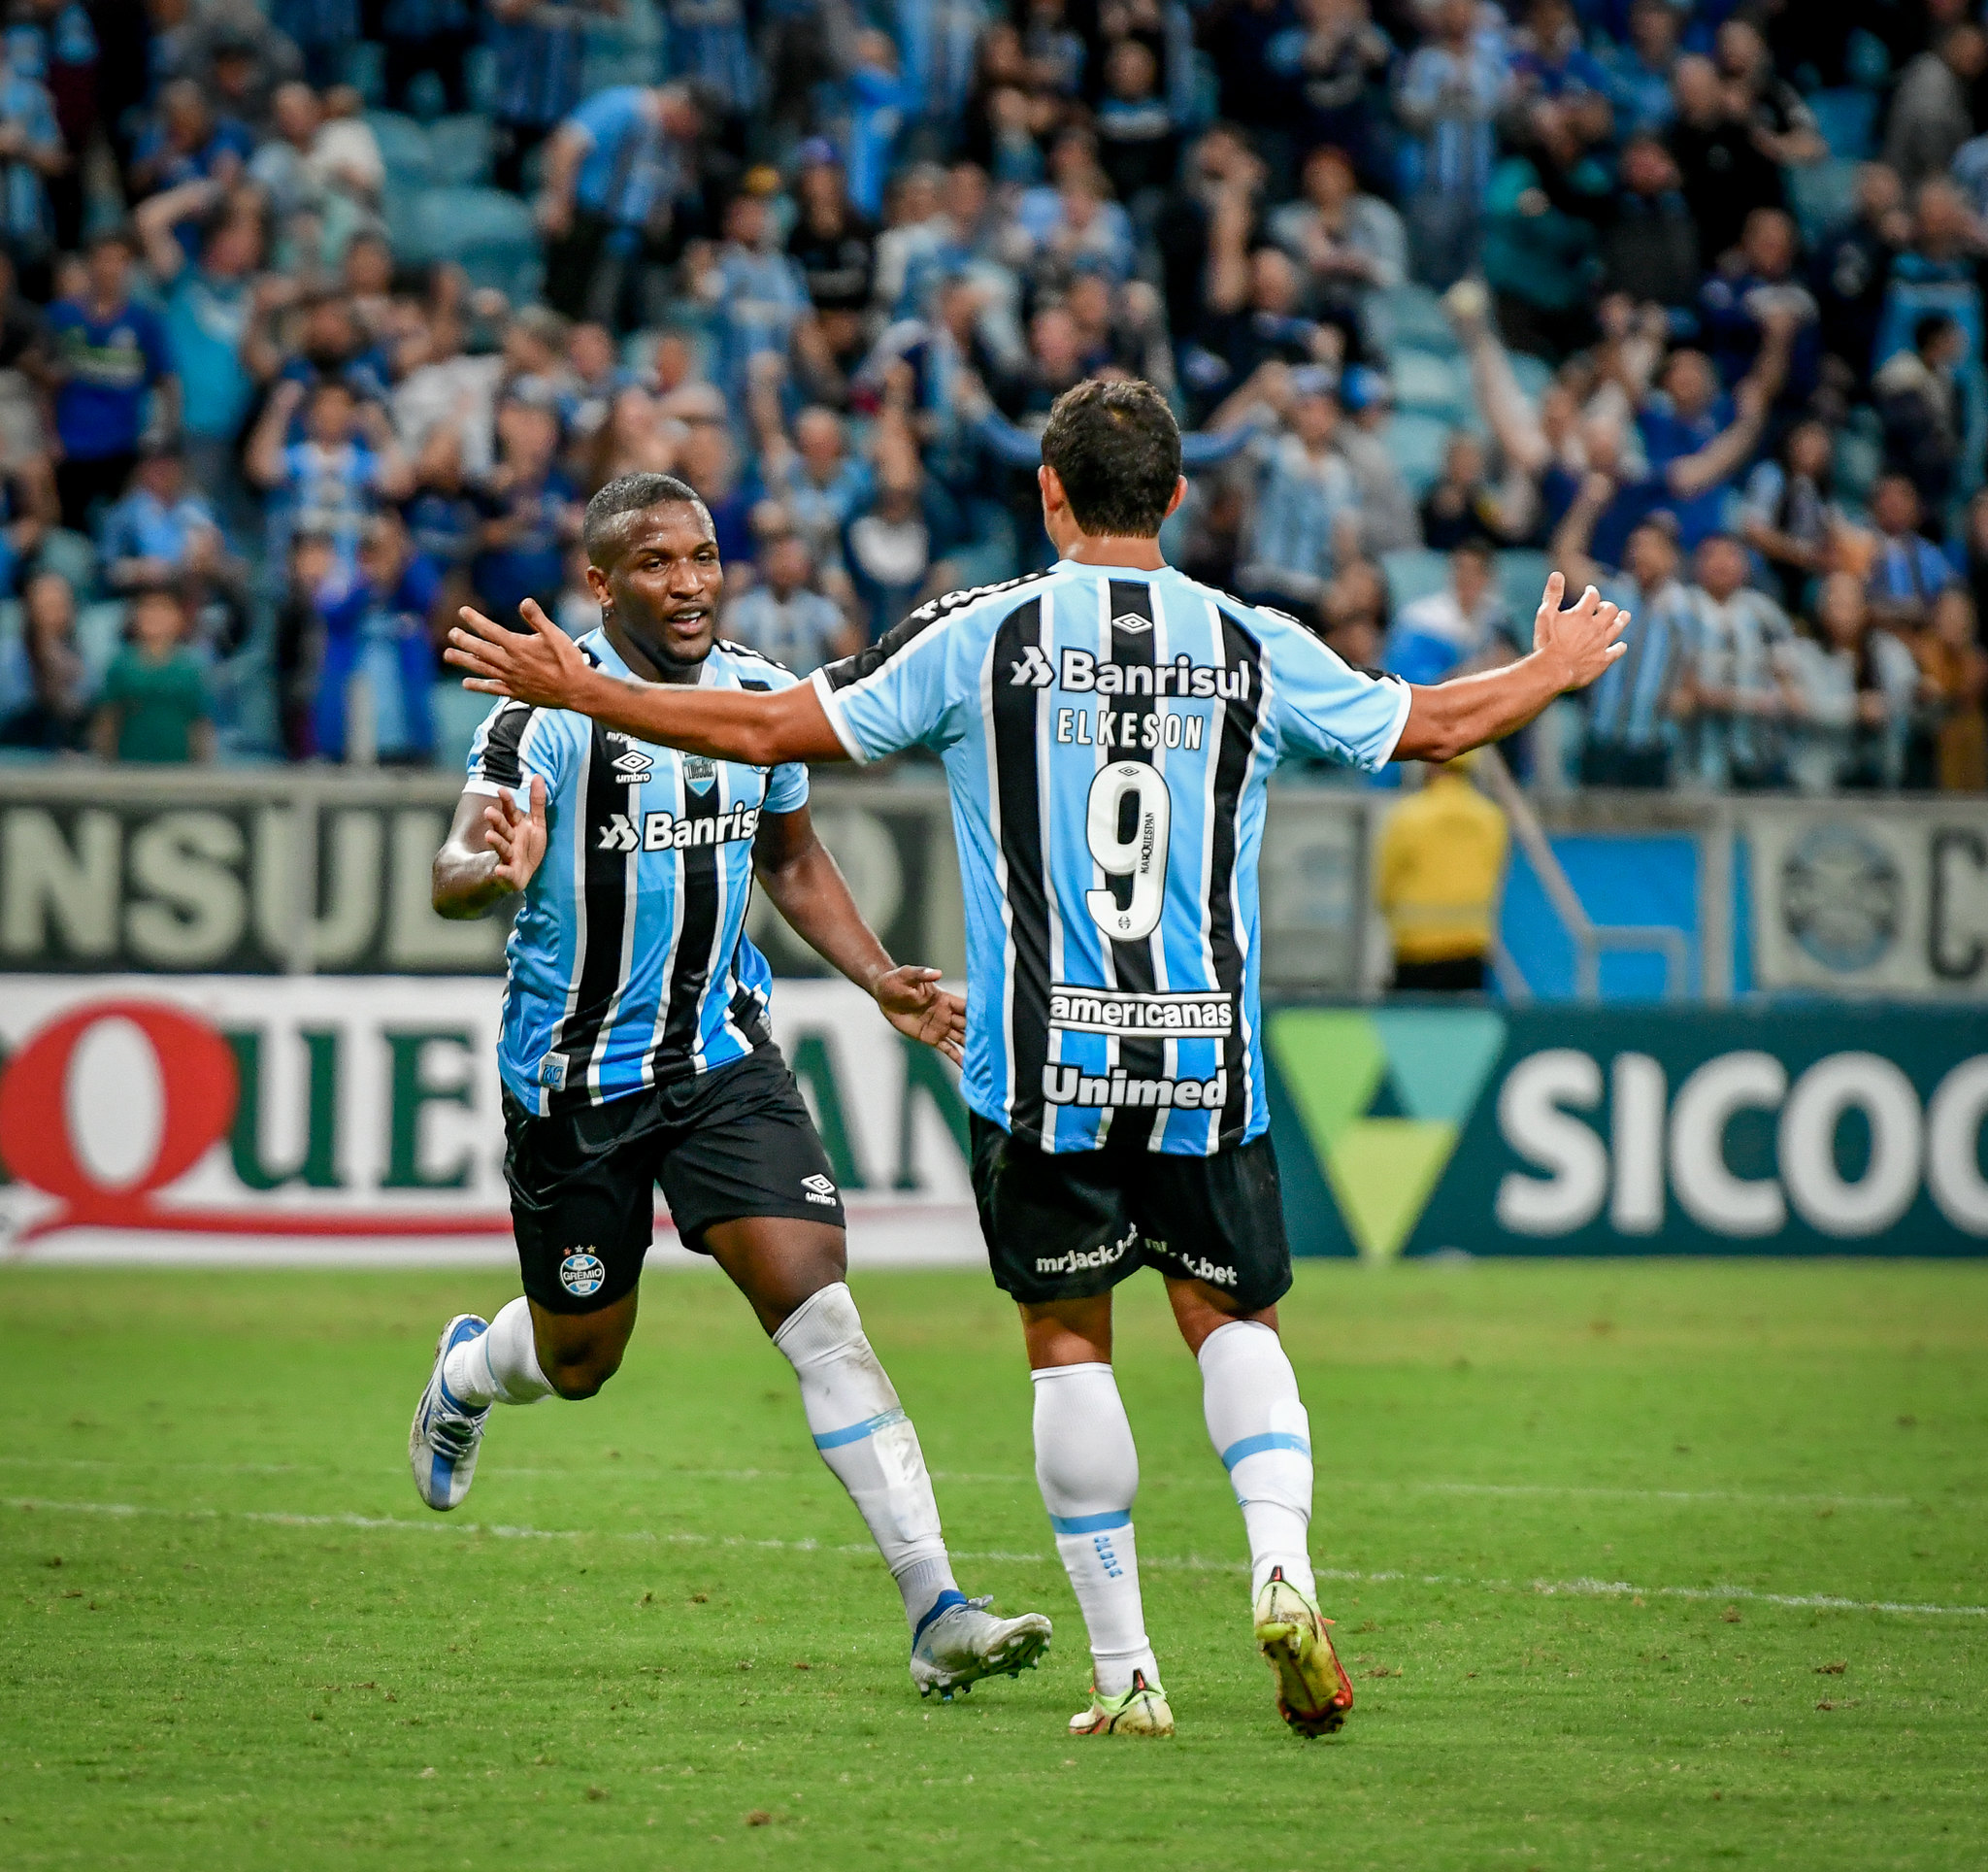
(320, 320)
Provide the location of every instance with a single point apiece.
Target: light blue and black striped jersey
(1109, 735)
(629, 964)
(1630, 704)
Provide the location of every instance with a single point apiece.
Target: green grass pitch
(231, 1636)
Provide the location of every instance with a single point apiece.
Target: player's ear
(1180, 494)
(597, 583)
(1051, 484)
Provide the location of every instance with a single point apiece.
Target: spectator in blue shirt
(188, 143)
(32, 152)
(381, 621)
(622, 192)
(109, 355)
(1736, 300)
(1638, 75)
(1909, 571)
(208, 323)
(1452, 89)
(530, 512)
(149, 536)
(1549, 62)
(332, 481)
(895, 552)
(877, 98)
(753, 291)
(539, 47)
(54, 42)
(783, 616)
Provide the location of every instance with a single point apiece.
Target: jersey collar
(615, 663)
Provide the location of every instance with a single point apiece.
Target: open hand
(517, 836)
(1581, 642)
(915, 1005)
(541, 666)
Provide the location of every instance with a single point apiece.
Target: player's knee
(579, 1368)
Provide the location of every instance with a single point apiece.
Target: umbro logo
(819, 1189)
(1131, 621)
(632, 768)
(1034, 672)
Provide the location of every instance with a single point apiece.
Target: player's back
(1107, 735)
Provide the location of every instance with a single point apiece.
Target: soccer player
(635, 1050)
(1107, 728)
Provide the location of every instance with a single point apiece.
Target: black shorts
(734, 1142)
(1064, 1226)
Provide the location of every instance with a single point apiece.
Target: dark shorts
(1069, 1225)
(734, 1142)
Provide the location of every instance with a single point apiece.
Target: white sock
(1087, 1468)
(1258, 1425)
(500, 1366)
(867, 1440)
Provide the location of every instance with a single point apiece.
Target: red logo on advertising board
(199, 1086)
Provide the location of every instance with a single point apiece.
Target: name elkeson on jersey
(629, 966)
(1108, 737)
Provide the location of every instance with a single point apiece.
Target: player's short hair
(1117, 450)
(600, 532)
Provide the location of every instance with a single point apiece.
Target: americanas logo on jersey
(668, 832)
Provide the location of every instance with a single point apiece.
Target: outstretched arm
(1571, 649)
(544, 667)
(801, 875)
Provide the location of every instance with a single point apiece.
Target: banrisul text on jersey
(1109, 735)
(629, 962)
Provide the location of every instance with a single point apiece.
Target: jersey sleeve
(515, 743)
(786, 788)
(1323, 705)
(894, 695)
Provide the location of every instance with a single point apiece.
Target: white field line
(1549, 1589)
(1738, 1497)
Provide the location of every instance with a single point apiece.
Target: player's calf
(870, 1445)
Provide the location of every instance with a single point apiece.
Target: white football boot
(442, 1445)
(959, 1641)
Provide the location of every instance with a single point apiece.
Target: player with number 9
(1107, 729)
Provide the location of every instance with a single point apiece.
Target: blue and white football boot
(959, 1641)
(442, 1445)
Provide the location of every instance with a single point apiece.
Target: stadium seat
(366, 69)
(623, 48)
(1415, 442)
(459, 151)
(488, 233)
(457, 715)
(1415, 318)
(402, 149)
(1412, 573)
(1823, 195)
(99, 631)
(480, 80)
(75, 557)
(1521, 579)
(1860, 458)
(1430, 382)
(1848, 119)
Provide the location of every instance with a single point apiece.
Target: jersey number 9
(1140, 855)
